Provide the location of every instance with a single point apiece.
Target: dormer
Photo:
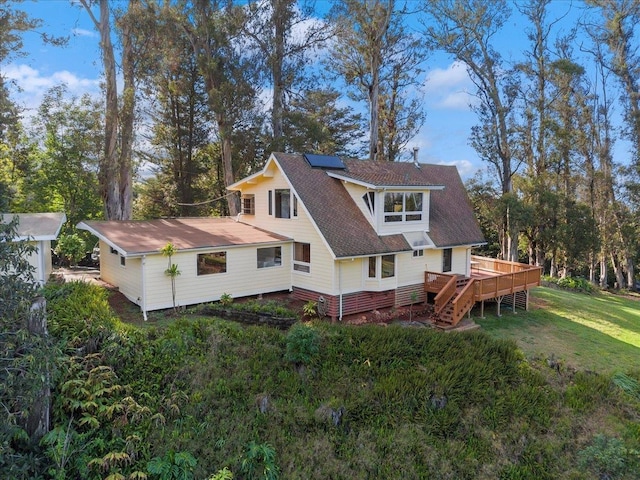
(393, 200)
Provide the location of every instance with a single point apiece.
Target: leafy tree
(285, 32)
(316, 123)
(375, 55)
(26, 359)
(70, 132)
(229, 71)
(72, 248)
(466, 30)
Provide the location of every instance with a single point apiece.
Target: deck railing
(510, 277)
(446, 294)
(463, 302)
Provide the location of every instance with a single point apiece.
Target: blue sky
(443, 138)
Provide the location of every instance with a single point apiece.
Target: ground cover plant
(323, 401)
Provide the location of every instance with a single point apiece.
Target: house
(40, 229)
(352, 235)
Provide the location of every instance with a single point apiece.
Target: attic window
(249, 204)
(402, 207)
(370, 201)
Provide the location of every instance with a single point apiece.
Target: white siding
(128, 279)
(242, 278)
(300, 228)
(356, 192)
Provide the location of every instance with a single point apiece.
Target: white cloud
(466, 169)
(33, 84)
(81, 32)
(449, 88)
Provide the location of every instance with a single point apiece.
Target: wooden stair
(449, 315)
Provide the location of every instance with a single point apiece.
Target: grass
(598, 332)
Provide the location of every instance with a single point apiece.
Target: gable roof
(344, 227)
(349, 233)
(142, 237)
(36, 226)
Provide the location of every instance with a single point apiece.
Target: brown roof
(345, 228)
(137, 237)
(36, 226)
(390, 174)
(342, 224)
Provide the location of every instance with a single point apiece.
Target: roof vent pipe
(415, 157)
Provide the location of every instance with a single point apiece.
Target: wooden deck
(490, 279)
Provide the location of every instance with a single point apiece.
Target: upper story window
(249, 204)
(446, 259)
(282, 203)
(418, 253)
(402, 207)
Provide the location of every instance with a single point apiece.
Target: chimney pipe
(415, 157)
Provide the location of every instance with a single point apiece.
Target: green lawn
(599, 332)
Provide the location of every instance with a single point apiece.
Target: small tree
(72, 248)
(172, 270)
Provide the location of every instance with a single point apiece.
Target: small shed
(40, 229)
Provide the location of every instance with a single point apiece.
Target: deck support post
(499, 301)
(513, 302)
(526, 300)
(482, 309)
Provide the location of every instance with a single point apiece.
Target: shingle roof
(149, 236)
(36, 226)
(342, 224)
(345, 228)
(389, 174)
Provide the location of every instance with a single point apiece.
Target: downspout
(340, 290)
(43, 269)
(143, 303)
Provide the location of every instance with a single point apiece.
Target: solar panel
(324, 161)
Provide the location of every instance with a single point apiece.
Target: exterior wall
(356, 192)
(300, 228)
(127, 278)
(242, 278)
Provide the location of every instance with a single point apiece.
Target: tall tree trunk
(38, 420)
(115, 177)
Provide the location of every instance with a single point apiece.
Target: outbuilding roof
(141, 237)
(36, 226)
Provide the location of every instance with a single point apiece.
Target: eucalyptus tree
(116, 166)
(288, 34)
(379, 60)
(615, 28)
(229, 70)
(179, 118)
(466, 29)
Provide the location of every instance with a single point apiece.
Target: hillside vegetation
(325, 401)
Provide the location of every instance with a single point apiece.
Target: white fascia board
(236, 186)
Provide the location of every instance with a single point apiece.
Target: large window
(209, 263)
(269, 257)
(302, 257)
(446, 259)
(402, 207)
(248, 204)
(388, 266)
(283, 203)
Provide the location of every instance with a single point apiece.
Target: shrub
(303, 344)
(71, 247)
(607, 457)
(259, 462)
